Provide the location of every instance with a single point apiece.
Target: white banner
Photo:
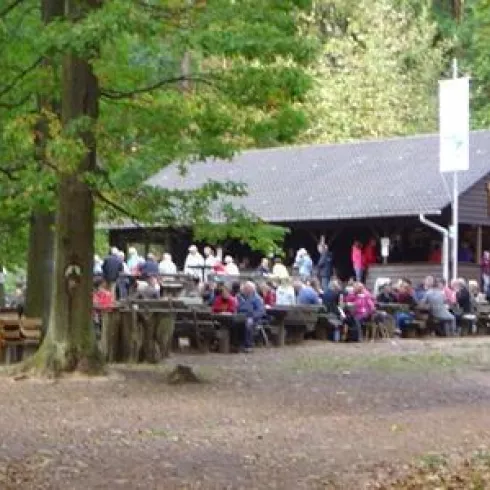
(454, 125)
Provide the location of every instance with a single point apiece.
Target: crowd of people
(218, 283)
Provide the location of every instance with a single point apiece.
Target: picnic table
(136, 332)
(293, 321)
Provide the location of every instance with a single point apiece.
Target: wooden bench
(11, 337)
(292, 323)
(31, 332)
(198, 324)
(327, 325)
(483, 318)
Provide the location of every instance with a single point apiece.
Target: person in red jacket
(369, 256)
(267, 293)
(224, 302)
(102, 297)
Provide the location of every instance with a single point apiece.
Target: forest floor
(395, 414)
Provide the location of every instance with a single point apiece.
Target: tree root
(53, 359)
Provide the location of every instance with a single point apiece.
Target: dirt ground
(315, 416)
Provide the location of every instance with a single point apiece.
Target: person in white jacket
(167, 265)
(285, 294)
(194, 263)
(230, 267)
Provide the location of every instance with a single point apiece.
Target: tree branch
(14, 105)
(20, 76)
(115, 94)
(117, 207)
(9, 172)
(9, 8)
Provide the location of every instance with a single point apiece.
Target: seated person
(224, 301)
(315, 284)
(305, 295)
(209, 293)
(102, 297)
(435, 299)
(267, 294)
(463, 297)
(404, 296)
(331, 297)
(335, 314)
(285, 294)
(386, 294)
(362, 307)
(252, 306)
(149, 289)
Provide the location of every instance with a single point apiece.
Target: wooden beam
(479, 244)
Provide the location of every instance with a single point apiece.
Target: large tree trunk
(41, 233)
(70, 341)
(40, 266)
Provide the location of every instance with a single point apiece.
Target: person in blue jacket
(252, 306)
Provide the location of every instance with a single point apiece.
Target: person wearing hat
(134, 261)
(279, 270)
(303, 263)
(194, 263)
(230, 267)
(167, 265)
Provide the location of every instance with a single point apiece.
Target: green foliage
(378, 73)
(179, 81)
(474, 39)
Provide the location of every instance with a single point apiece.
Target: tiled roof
(392, 177)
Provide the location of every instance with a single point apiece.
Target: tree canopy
(378, 72)
(179, 81)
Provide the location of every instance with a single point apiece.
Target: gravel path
(313, 416)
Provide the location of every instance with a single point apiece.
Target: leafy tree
(379, 70)
(473, 36)
(124, 88)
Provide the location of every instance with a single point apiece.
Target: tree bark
(40, 266)
(41, 233)
(70, 342)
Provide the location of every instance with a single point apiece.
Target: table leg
(281, 335)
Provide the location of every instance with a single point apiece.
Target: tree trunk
(41, 233)
(40, 266)
(70, 341)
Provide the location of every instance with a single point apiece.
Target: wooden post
(479, 244)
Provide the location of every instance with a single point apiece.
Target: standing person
(97, 269)
(485, 271)
(304, 264)
(210, 260)
(325, 264)
(263, 268)
(194, 263)
(369, 257)
(167, 265)
(230, 267)
(134, 261)
(111, 268)
(150, 267)
(357, 260)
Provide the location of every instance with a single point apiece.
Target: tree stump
(164, 332)
(109, 340)
(182, 374)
